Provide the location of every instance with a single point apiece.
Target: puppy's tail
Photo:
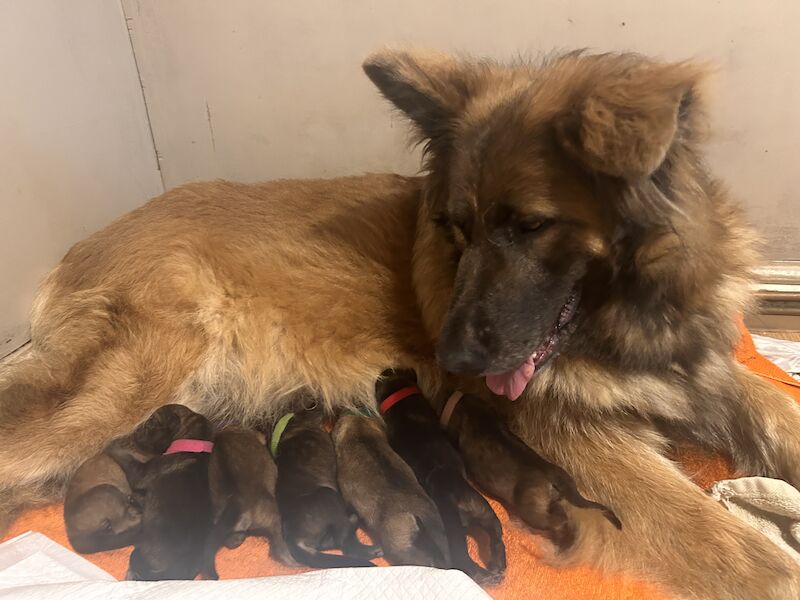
(225, 525)
(432, 539)
(320, 560)
(566, 486)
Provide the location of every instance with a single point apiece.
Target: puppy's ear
(158, 432)
(625, 123)
(430, 88)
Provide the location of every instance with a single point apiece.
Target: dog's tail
(31, 394)
(76, 387)
(320, 560)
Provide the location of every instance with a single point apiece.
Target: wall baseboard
(777, 288)
(13, 340)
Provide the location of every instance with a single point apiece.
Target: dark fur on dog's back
(177, 512)
(243, 477)
(386, 494)
(504, 467)
(414, 433)
(315, 517)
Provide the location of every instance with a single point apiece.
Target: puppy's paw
(353, 547)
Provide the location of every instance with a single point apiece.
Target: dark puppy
(100, 511)
(503, 466)
(314, 515)
(243, 477)
(177, 514)
(386, 495)
(414, 433)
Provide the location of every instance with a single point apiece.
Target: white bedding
(33, 567)
(784, 353)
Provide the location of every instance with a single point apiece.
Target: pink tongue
(512, 383)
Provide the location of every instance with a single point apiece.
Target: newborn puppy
(176, 499)
(386, 495)
(414, 433)
(314, 515)
(243, 477)
(505, 467)
(100, 511)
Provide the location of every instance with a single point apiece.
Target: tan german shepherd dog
(565, 244)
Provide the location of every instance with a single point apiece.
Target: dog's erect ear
(625, 124)
(430, 88)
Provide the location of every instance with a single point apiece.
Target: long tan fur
(234, 299)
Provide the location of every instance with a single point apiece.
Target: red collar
(400, 394)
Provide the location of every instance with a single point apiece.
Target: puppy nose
(464, 359)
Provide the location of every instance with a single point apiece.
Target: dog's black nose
(464, 360)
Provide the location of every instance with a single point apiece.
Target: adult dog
(564, 220)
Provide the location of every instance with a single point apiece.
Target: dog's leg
(672, 532)
(739, 413)
(766, 429)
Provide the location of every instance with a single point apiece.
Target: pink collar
(196, 446)
(449, 407)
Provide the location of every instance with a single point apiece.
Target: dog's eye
(441, 220)
(535, 225)
(451, 231)
(459, 237)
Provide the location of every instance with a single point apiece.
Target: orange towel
(525, 575)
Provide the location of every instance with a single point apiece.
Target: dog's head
(534, 174)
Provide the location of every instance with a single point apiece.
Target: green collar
(280, 427)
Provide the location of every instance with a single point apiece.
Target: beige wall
(255, 90)
(75, 147)
(250, 90)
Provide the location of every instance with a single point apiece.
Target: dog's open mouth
(512, 383)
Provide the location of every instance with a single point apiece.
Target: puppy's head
(533, 172)
(103, 518)
(391, 380)
(168, 423)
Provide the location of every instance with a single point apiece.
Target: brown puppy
(100, 512)
(314, 515)
(414, 433)
(386, 495)
(176, 499)
(506, 468)
(243, 476)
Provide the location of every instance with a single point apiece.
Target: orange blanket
(525, 574)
